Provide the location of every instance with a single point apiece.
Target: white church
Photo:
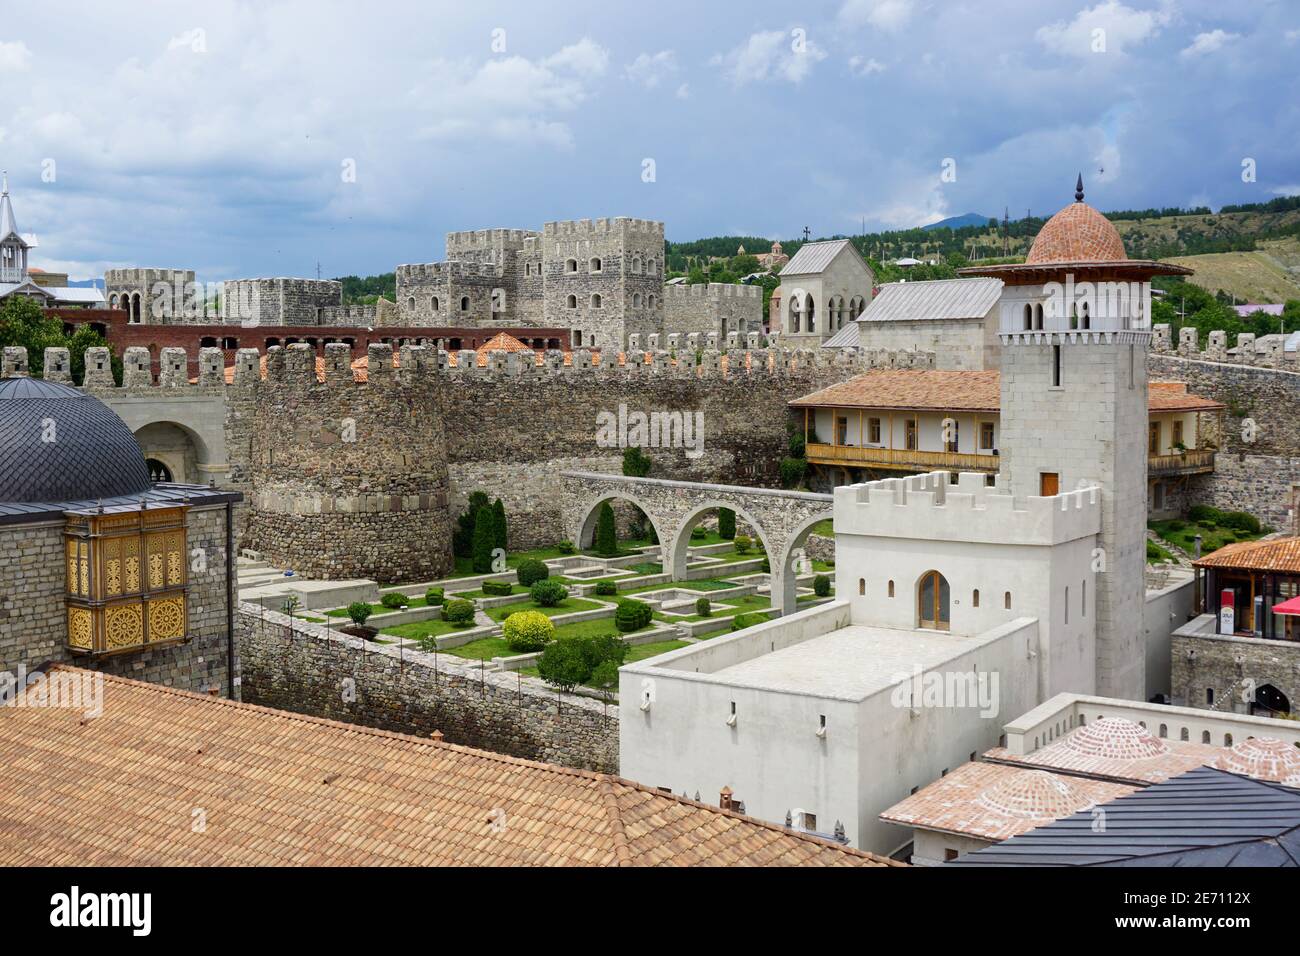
(960, 603)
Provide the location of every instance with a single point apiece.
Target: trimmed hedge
(394, 600)
(530, 571)
(528, 631)
(605, 588)
(749, 619)
(434, 597)
(548, 593)
(702, 607)
(726, 523)
(498, 588)
(458, 611)
(632, 615)
(822, 585)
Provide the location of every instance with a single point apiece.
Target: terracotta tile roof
(1078, 233)
(994, 801)
(503, 342)
(278, 788)
(1174, 397)
(1279, 554)
(962, 391)
(1116, 749)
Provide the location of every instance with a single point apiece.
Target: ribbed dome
(1264, 758)
(1036, 795)
(1078, 233)
(1116, 738)
(60, 444)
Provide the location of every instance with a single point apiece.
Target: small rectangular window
(1056, 366)
(986, 435)
(873, 431)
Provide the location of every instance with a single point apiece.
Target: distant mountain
(86, 284)
(956, 222)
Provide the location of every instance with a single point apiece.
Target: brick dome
(1078, 233)
(1115, 738)
(1264, 758)
(1036, 795)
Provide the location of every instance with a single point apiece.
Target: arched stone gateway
(781, 520)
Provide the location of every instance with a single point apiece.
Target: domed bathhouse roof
(60, 444)
(1078, 233)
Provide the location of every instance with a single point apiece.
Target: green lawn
(1155, 553)
(640, 652)
(729, 556)
(483, 649)
(567, 606)
(824, 528)
(646, 567)
(823, 566)
(378, 608)
(594, 628)
(421, 629)
(704, 584)
(729, 607)
(465, 566)
(478, 593)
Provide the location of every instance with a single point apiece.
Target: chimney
(725, 800)
(437, 736)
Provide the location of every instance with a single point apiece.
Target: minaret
(1075, 326)
(13, 249)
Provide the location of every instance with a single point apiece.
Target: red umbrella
(1291, 606)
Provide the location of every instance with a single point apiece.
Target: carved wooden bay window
(126, 579)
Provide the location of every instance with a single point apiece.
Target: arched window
(1074, 317)
(1038, 316)
(636, 300)
(1087, 317)
(1006, 601)
(650, 300)
(157, 470)
(891, 588)
(932, 599)
(1227, 740)
(1029, 317)
(862, 586)
(434, 304)
(595, 300)
(112, 301)
(572, 302)
(571, 265)
(975, 598)
(464, 303)
(594, 265)
(794, 315)
(651, 267)
(410, 304)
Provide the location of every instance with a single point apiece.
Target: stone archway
(175, 449)
(584, 530)
(794, 544)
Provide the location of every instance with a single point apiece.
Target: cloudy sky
(262, 138)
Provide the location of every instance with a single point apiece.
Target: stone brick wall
(342, 678)
(33, 609)
(280, 301)
(713, 307)
(1230, 666)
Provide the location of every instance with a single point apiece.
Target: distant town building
(17, 277)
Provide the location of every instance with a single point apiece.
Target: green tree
(484, 539)
(606, 532)
(499, 526)
(463, 537)
(562, 665)
(636, 464)
(726, 523)
(24, 323)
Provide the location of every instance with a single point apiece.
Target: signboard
(1227, 611)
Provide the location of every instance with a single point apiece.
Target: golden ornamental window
(126, 579)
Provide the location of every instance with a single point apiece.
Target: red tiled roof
(284, 789)
(1279, 554)
(1078, 233)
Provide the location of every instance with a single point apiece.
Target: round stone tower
(350, 478)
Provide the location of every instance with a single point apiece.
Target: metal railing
(899, 458)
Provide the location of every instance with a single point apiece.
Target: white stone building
(823, 288)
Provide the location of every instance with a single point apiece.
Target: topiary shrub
(548, 593)
(822, 585)
(395, 599)
(632, 615)
(726, 523)
(699, 532)
(528, 631)
(606, 532)
(702, 607)
(605, 588)
(497, 588)
(1204, 513)
(434, 597)
(458, 611)
(1241, 520)
(484, 539)
(530, 571)
(499, 524)
(742, 621)
(742, 544)
(359, 611)
(565, 547)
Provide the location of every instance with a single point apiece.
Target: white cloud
(14, 57)
(1207, 43)
(1111, 24)
(1292, 36)
(1288, 190)
(651, 69)
(917, 202)
(882, 14)
(865, 66)
(684, 91)
(586, 58)
(769, 55)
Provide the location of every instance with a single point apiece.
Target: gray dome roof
(92, 453)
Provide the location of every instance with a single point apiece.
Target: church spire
(1078, 189)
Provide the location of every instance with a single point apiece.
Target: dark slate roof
(59, 444)
(162, 494)
(1205, 817)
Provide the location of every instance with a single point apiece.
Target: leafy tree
(562, 665)
(636, 464)
(359, 612)
(606, 532)
(463, 536)
(24, 323)
(726, 524)
(530, 571)
(548, 593)
(484, 539)
(499, 529)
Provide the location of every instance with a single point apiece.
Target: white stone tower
(13, 248)
(1075, 326)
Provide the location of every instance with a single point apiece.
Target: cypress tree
(484, 539)
(726, 523)
(606, 532)
(499, 513)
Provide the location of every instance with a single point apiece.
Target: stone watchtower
(1075, 326)
(350, 477)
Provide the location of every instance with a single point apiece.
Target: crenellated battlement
(119, 278)
(1270, 353)
(713, 290)
(934, 507)
(410, 364)
(447, 269)
(580, 228)
(488, 238)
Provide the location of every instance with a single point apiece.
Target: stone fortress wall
(1257, 468)
(714, 307)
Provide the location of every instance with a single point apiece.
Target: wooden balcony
(1196, 461)
(899, 459)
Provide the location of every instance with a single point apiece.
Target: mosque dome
(1078, 233)
(59, 444)
(1114, 738)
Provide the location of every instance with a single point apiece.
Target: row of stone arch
(840, 311)
(128, 302)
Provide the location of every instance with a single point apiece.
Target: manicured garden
(1216, 528)
(421, 629)
(566, 606)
